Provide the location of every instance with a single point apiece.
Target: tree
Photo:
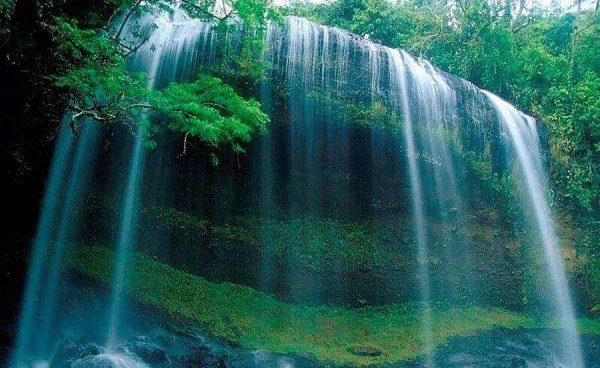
(574, 121)
(101, 88)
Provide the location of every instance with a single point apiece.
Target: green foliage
(321, 245)
(6, 10)
(251, 12)
(97, 81)
(574, 122)
(101, 88)
(211, 111)
(185, 227)
(317, 243)
(252, 17)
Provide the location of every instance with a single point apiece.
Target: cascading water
(126, 237)
(165, 57)
(317, 72)
(69, 177)
(64, 191)
(266, 164)
(399, 89)
(524, 139)
(73, 197)
(41, 243)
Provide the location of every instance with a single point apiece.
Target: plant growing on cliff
(102, 89)
(211, 111)
(574, 121)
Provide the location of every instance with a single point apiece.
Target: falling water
(302, 70)
(399, 90)
(525, 141)
(58, 171)
(109, 359)
(318, 66)
(169, 52)
(266, 167)
(64, 192)
(437, 104)
(126, 239)
(129, 215)
(86, 149)
(416, 89)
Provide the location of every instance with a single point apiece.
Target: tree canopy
(91, 67)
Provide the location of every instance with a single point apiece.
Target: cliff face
(323, 207)
(381, 182)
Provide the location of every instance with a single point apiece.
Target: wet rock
(509, 348)
(69, 350)
(109, 360)
(365, 351)
(150, 353)
(264, 359)
(203, 357)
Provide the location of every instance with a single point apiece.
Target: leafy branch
(101, 88)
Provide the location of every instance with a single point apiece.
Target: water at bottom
(110, 359)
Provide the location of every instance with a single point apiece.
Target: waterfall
(69, 179)
(399, 89)
(126, 238)
(423, 95)
(73, 197)
(319, 73)
(64, 193)
(48, 214)
(524, 139)
(266, 167)
(168, 55)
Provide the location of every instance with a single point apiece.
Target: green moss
(316, 242)
(254, 320)
(589, 326)
(320, 243)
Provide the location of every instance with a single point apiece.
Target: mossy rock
(255, 320)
